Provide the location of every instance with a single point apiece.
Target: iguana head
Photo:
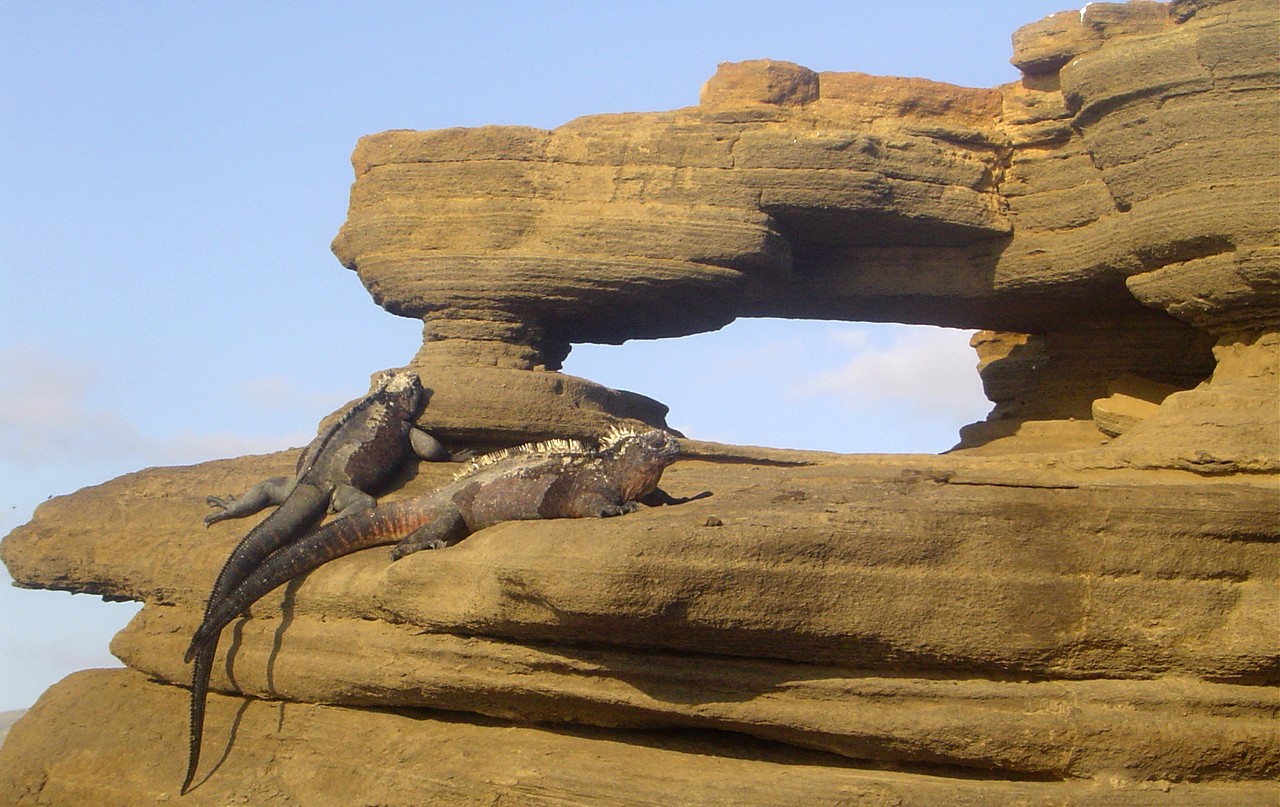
(637, 458)
(402, 389)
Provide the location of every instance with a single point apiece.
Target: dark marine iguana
(356, 453)
(555, 479)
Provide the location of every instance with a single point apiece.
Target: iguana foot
(267, 492)
(347, 500)
(659, 497)
(222, 503)
(610, 510)
(398, 551)
(446, 530)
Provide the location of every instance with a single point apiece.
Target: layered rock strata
(291, 753)
(975, 616)
(1077, 607)
(1089, 206)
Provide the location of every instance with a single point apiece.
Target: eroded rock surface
(291, 753)
(988, 615)
(1091, 206)
(1078, 606)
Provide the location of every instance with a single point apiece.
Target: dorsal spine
(575, 448)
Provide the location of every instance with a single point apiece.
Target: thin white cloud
(806, 384)
(49, 414)
(45, 414)
(738, 360)
(275, 393)
(189, 448)
(932, 371)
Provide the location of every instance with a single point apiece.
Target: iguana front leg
(659, 498)
(427, 447)
(597, 504)
(611, 510)
(447, 529)
(264, 494)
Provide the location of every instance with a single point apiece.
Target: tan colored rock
(126, 745)
(903, 632)
(1044, 615)
(1132, 400)
(1230, 292)
(1229, 423)
(1010, 727)
(760, 82)
(1078, 206)
(1046, 46)
(883, 527)
(1118, 413)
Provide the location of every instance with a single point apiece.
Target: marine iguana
(554, 479)
(356, 453)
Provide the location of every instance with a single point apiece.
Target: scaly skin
(355, 454)
(569, 481)
(560, 479)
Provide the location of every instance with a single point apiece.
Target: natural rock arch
(804, 384)
(1085, 211)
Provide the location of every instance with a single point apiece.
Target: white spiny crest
(617, 434)
(556, 446)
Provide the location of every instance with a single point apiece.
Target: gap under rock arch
(830, 386)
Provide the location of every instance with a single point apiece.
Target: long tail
(382, 525)
(199, 694)
(385, 524)
(300, 511)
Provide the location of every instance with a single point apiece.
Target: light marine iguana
(554, 479)
(356, 453)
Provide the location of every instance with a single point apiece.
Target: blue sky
(174, 173)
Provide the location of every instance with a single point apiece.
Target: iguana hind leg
(447, 529)
(348, 499)
(264, 494)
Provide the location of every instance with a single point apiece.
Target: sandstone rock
(1132, 400)
(1227, 424)
(1048, 45)
(1232, 292)
(289, 753)
(1008, 727)
(760, 82)
(994, 438)
(1048, 614)
(552, 405)
(7, 719)
(1118, 413)
(1082, 597)
(1086, 206)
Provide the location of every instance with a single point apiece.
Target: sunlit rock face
(1090, 205)
(1077, 606)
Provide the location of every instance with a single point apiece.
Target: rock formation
(1088, 208)
(1076, 606)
